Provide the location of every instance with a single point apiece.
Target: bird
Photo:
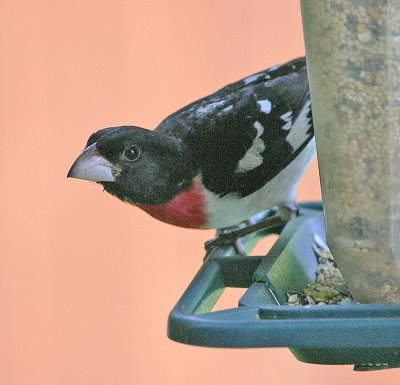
(217, 161)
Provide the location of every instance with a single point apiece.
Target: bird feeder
(353, 57)
(367, 335)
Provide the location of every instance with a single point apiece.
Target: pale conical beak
(92, 166)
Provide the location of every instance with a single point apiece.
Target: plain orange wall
(86, 282)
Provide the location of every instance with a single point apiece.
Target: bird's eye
(131, 153)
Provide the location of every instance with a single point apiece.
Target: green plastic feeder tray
(367, 336)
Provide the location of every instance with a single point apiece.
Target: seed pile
(353, 51)
(329, 288)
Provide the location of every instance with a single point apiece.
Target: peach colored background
(86, 282)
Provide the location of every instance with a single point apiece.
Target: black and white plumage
(217, 161)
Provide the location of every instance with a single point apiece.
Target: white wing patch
(298, 133)
(265, 106)
(253, 156)
(227, 109)
(274, 68)
(207, 108)
(287, 118)
(252, 78)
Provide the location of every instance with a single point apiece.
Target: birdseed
(329, 287)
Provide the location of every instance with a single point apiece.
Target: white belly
(282, 189)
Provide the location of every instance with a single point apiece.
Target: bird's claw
(233, 235)
(227, 238)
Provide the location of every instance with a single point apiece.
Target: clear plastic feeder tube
(353, 56)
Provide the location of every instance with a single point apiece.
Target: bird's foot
(233, 235)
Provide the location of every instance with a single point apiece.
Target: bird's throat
(188, 209)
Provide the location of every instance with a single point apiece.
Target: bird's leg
(224, 235)
(232, 235)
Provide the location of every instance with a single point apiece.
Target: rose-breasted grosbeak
(217, 161)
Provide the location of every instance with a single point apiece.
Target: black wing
(181, 122)
(246, 133)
